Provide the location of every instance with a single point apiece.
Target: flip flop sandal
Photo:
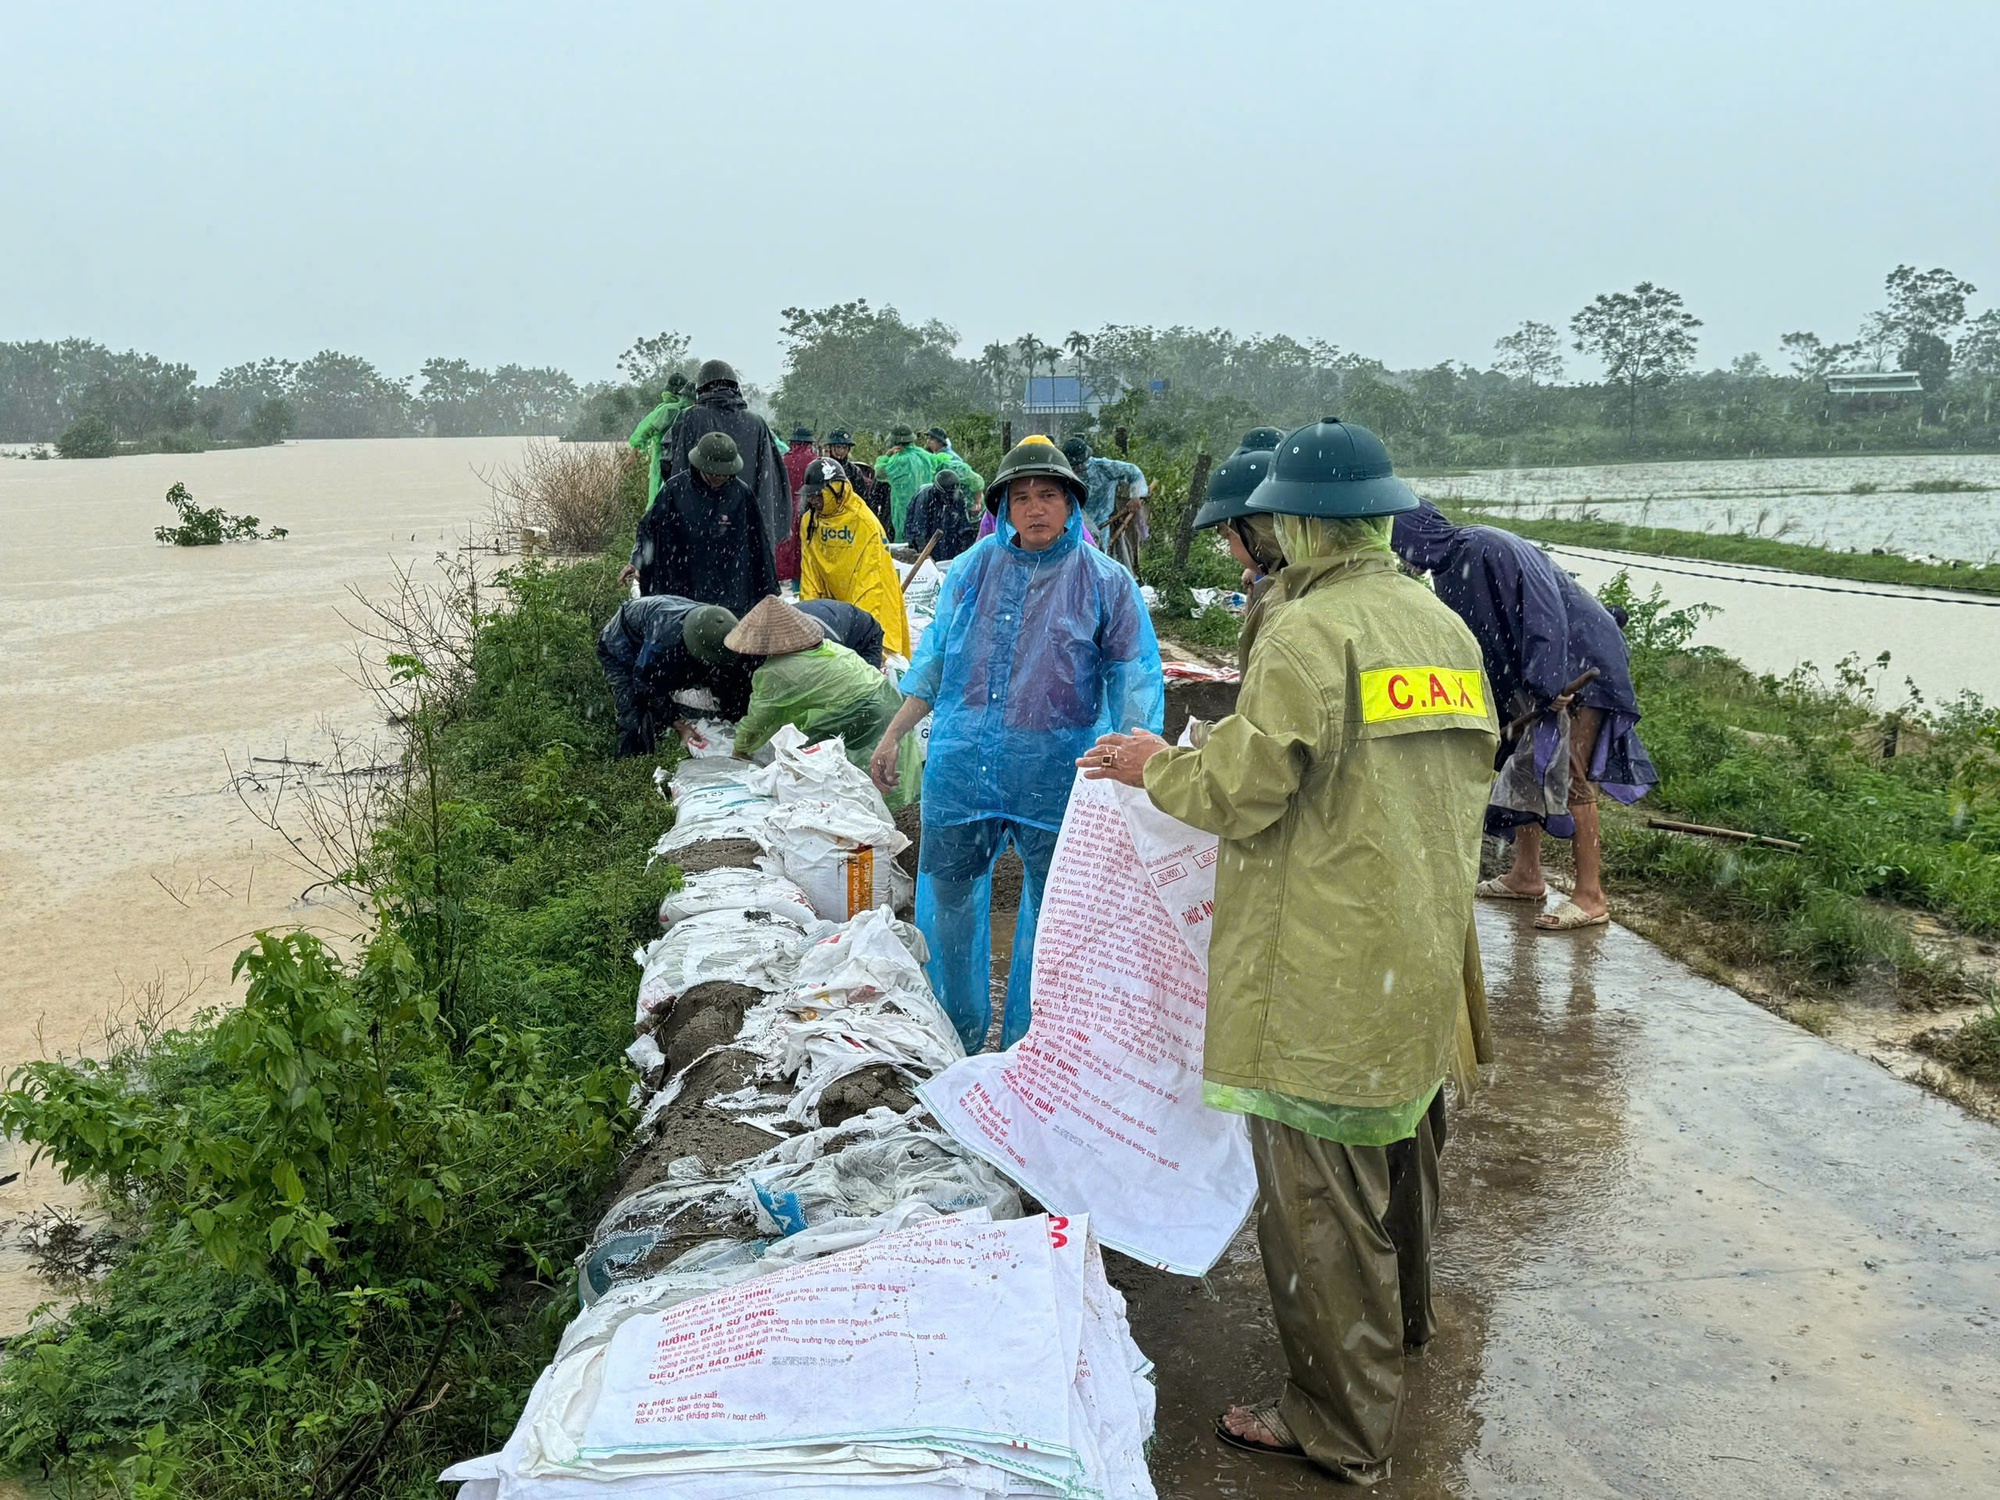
(1497, 889)
(1568, 917)
(1266, 1414)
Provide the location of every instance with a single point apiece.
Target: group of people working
(1349, 790)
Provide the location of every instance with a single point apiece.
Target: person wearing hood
(841, 555)
(990, 521)
(802, 676)
(904, 468)
(655, 647)
(940, 510)
(719, 407)
(1106, 477)
(1252, 535)
(798, 454)
(1040, 644)
(651, 433)
(1343, 980)
(1540, 630)
(703, 536)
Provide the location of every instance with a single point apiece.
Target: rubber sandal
(1568, 917)
(1266, 1413)
(1497, 889)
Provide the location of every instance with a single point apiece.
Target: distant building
(1049, 399)
(1874, 383)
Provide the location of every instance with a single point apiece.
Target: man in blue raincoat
(1040, 644)
(1540, 630)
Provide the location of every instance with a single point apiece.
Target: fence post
(1184, 532)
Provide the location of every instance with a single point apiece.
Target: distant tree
(1928, 302)
(1750, 366)
(1078, 344)
(1532, 352)
(1979, 350)
(88, 437)
(451, 398)
(1032, 349)
(651, 362)
(271, 423)
(1645, 337)
(345, 396)
(997, 365)
(861, 366)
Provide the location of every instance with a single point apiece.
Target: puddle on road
(1686, 1248)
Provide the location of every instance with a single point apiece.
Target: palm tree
(1078, 344)
(1032, 349)
(994, 360)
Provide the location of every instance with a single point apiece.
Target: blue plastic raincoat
(1031, 657)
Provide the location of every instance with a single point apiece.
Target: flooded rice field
(134, 676)
(1919, 505)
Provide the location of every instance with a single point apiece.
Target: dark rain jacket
(850, 626)
(645, 663)
(763, 469)
(1538, 630)
(935, 511)
(704, 544)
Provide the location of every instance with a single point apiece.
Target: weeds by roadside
(567, 494)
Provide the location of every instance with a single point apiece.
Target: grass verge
(1752, 551)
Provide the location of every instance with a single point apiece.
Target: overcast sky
(541, 183)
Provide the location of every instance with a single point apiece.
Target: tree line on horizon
(866, 367)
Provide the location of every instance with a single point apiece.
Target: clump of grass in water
(209, 526)
(1948, 486)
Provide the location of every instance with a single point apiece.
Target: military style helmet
(1077, 451)
(1265, 438)
(840, 437)
(802, 433)
(1229, 487)
(703, 632)
(1334, 470)
(716, 453)
(946, 481)
(1030, 457)
(714, 372)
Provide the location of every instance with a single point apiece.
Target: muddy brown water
(132, 676)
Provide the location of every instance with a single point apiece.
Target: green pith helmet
(1031, 457)
(714, 372)
(716, 453)
(1334, 470)
(1265, 438)
(902, 435)
(703, 633)
(1230, 485)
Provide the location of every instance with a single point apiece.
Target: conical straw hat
(774, 628)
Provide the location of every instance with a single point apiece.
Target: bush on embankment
(1800, 758)
(347, 1209)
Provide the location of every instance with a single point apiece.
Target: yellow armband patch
(1413, 692)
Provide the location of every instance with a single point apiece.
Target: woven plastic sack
(730, 889)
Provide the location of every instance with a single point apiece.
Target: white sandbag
(756, 948)
(710, 738)
(646, 1056)
(1098, 1108)
(870, 1178)
(731, 889)
(713, 800)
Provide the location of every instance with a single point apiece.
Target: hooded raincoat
(706, 544)
(797, 457)
(841, 556)
(904, 472)
(1538, 631)
(934, 513)
(1347, 790)
(1031, 657)
(723, 409)
(827, 690)
(651, 435)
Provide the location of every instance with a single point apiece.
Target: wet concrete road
(1687, 1249)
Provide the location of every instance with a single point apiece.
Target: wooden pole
(922, 557)
(1184, 533)
(1735, 835)
(1006, 437)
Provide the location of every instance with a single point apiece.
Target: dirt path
(131, 674)
(1687, 1248)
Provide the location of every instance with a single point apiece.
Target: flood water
(1805, 500)
(133, 676)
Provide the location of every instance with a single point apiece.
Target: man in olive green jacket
(1348, 790)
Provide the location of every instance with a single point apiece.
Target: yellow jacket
(842, 556)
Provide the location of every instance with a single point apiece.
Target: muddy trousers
(1346, 1237)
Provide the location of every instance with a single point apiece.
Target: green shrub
(88, 437)
(207, 526)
